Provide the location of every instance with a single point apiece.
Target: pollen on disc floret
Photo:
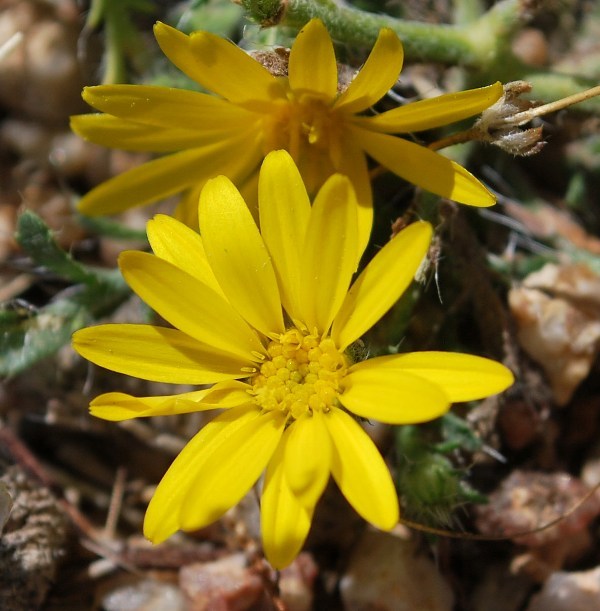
(301, 373)
(301, 121)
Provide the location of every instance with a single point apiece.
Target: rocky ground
(520, 282)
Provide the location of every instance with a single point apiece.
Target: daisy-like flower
(254, 112)
(266, 317)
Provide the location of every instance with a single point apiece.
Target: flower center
(301, 373)
(301, 121)
(314, 122)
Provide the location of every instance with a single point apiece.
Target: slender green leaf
(28, 334)
(35, 238)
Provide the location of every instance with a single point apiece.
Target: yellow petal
(312, 67)
(238, 256)
(381, 283)
(117, 406)
(435, 112)
(376, 77)
(174, 242)
(307, 458)
(462, 377)
(249, 192)
(353, 164)
(186, 210)
(218, 65)
(157, 354)
(316, 166)
(113, 132)
(188, 304)
(330, 253)
(284, 521)
(146, 183)
(162, 177)
(162, 516)
(425, 168)
(284, 212)
(360, 472)
(230, 467)
(391, 395)
(169, 107)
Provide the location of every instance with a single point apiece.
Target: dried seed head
(276, 61)
(500, 123)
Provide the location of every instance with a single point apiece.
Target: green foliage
(221, 17)
(430, 485)
(110, 228)
(122, 40)
(29, 334)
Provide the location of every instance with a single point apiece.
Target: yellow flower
(266, 317)
(256, 112)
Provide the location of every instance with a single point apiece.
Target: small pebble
(386, 573)
(223, 584)
(569, 592)
(146, 595)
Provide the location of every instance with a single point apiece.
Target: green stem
(550, 86)
(114, 69)
(95, 14)
(481, 43)
(466, 11)
(476, 45)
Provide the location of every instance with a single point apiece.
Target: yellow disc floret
(302, 121)
(301, 373)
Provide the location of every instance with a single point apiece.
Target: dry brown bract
(32, 543)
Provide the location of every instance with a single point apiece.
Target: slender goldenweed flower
(254, 112)
(266, 317)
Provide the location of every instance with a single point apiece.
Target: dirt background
(519, 282)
